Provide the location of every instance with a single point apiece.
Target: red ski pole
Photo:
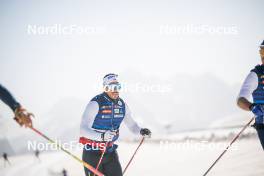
(102, 155)
(141, 142)
(235, 138)
(88, 166)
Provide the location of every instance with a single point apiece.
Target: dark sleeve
(7, 98)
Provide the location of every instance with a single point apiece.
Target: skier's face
(112, 90)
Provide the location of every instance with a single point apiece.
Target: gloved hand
(22, 117)
(108, 136)
(145, 132)
(257, 109)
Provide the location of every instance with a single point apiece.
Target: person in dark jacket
(22, 117)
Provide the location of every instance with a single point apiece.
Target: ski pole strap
(141, 142)
(235, 138)
(88, 166)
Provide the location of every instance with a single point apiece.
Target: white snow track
(152, 160)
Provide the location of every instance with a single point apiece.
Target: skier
(22, 117)
(37, 152)
(64, 172)
(254, 86)
(5, 156)
(100, 125)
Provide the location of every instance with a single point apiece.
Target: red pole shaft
(141, 142)
(88, 166)
(235, 138)
(102, 155)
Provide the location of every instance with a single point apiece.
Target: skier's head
(261, 51)
(111, 85)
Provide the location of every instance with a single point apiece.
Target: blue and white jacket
(102, 114)
(253, 87)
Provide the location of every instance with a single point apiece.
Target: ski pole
(88, 166)
(141, 142)
(102, 155)
(235, 138)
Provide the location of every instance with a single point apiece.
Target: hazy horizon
(164, 41)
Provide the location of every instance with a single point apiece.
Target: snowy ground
(153, 160)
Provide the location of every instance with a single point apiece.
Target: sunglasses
(113, 87)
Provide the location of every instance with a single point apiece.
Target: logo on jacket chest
(106, 107)
(261, 80)
(107, 111)
(117, 111)
(112, 111)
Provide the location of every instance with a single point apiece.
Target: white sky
(39, 70)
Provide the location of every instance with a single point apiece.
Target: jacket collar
(109, 98)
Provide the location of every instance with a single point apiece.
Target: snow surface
(245, 159)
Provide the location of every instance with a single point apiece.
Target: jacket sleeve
(87, 122)
(130, 122)
(8, 99)
(249, 86)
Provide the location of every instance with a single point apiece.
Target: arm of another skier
(8, 99)
(22, 117)
(133, 126)
(249, 86)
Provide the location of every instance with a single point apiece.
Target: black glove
(145, 132)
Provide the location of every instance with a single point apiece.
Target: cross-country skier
(64, 172)
(5, 156)
(22, 117)
(37, 152)
(100, 125)
(254, 86)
